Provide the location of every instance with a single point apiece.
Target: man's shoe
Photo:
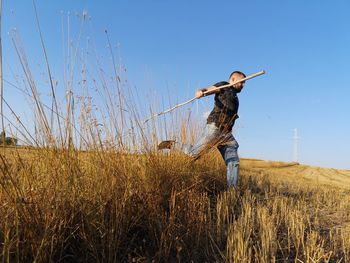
(166, 144)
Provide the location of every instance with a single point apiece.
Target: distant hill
(304, 173)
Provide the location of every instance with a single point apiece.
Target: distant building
(7, 140)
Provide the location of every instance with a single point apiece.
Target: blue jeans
(210, 137)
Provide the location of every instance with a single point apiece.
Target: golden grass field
(103, 206)
(78, 194)
(304, 173)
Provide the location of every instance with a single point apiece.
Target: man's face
(239, 86)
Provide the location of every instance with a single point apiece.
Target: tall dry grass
(110, 207)
(94, 189)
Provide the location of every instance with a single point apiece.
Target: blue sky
(183, 45)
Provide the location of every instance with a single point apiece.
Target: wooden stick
(171, 109)
(216, 89)
(238, 81)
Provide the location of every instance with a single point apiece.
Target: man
(218, 130)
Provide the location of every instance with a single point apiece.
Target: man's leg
(208, 138)
(229, 153)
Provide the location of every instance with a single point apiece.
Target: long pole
(238, 81)
(295, 148)
(216, 89)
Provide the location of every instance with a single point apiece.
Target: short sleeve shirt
(225, 108)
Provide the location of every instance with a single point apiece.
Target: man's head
(235, 76)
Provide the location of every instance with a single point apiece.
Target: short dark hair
(237, 72)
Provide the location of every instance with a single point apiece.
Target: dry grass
(93, 189)
(304, 174)
(100, 206)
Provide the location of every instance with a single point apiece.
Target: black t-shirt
(225, 109)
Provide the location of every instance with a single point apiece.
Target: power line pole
(295, 145)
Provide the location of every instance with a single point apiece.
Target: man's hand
(200, 93)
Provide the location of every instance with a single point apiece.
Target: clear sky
(183, 45)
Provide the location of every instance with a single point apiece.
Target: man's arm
(206, 92)
(216, 88)
(211, 90)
